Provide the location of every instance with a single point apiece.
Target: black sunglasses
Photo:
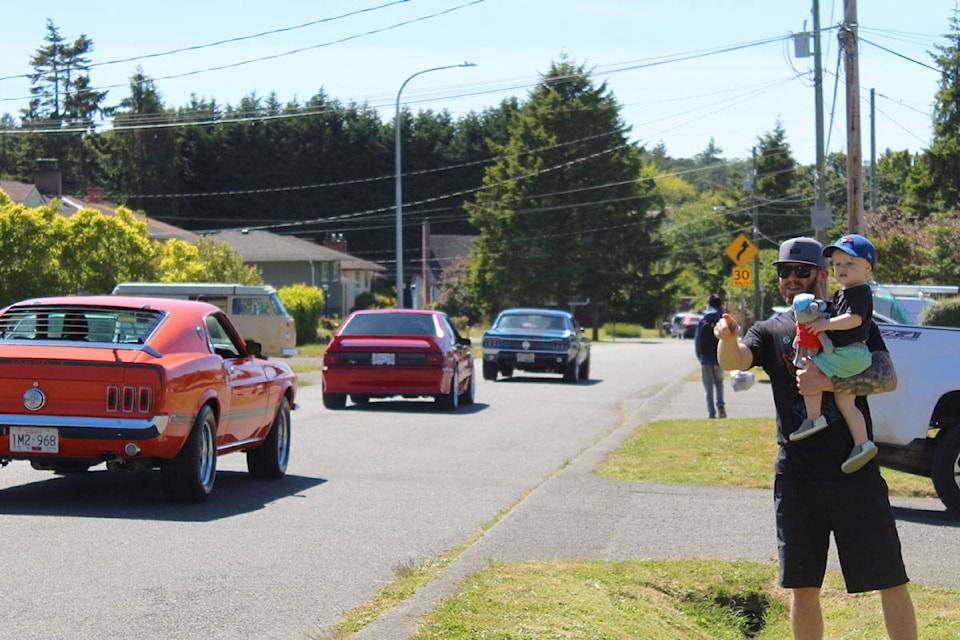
(801, 271)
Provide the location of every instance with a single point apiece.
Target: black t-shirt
(820, 455)
(857, 300)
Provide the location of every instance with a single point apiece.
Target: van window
(255, 311)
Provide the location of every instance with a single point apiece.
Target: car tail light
(113, 398)
(129, 399)
(331, 357)
(145, 400)
(435, 358)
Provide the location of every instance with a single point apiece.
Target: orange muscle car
(139, 383)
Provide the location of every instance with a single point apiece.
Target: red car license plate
(383, 359)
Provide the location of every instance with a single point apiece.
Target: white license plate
(34, 440)
(525, 357)
(383, 358)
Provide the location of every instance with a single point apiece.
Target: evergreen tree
(783, 207)
(62, 98)
(140, 160)
(562, 216)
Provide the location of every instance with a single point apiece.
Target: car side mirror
(466, 342)
(254, 348)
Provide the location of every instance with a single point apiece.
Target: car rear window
(79, 323)
(531, 321)
(385, 324)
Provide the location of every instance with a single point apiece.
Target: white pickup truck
(917, 427)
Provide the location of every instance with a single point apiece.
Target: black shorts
(856, 509)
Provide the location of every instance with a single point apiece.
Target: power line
(198, 47)
(242, 63)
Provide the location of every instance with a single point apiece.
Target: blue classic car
(541, 340)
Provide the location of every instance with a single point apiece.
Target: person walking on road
(705, 346)
(813, 497)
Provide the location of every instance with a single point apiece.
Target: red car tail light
(113, 398)
(129, 399)
(145, 400)
(331, 357)
(129, 393)
(435, 358)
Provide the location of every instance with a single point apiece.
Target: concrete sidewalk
(576, 515)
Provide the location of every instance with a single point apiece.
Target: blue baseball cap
(853, 244)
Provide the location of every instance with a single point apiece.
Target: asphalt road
(103, 555)
(368, 491)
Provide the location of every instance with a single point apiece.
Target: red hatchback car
(139, 383)
(395, 352)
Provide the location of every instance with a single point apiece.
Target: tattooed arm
(880, 377)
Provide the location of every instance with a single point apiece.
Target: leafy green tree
(933, 185)
(455, 297)
(43, 253)
(562, 216)
(29, 256)
(206, 261)
(100, 250)
(893, 169)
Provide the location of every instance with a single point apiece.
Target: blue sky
(680, 70)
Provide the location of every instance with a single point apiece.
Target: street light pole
(398, 183)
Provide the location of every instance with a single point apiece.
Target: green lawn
(656, 599)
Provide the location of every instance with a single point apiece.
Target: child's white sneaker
(860, 455)
(808, 428)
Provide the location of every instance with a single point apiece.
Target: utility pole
(755, 220)
(873, 150)
(425, 253)
(849, 43)
(822, 216)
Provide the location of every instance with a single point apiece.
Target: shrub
(371, 300)
(623, 330)
(327, 327)
(943, 313)
(305, 304)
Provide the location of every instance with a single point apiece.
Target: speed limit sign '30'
(742, 277)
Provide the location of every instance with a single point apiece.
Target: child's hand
(819, 325)
(726, 328)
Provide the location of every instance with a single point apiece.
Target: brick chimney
(95, 195)
(335, 241)
(47, 177)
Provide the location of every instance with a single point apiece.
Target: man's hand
(811, 380)
(726, 328)
(731, 354)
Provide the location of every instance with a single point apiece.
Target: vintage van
(256, 311)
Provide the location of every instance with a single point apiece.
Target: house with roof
(47, 186)
(288, 260)
(440, 253)
(283, 260)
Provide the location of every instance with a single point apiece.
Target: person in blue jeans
(705, 346)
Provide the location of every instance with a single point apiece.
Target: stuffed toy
(807, 309)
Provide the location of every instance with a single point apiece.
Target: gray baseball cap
(803, 250)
